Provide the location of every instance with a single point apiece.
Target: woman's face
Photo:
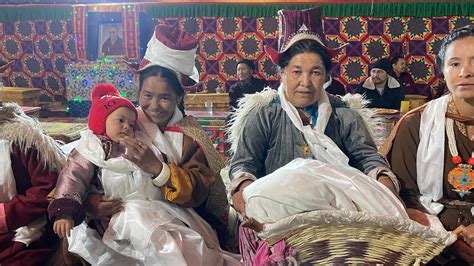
(458, 68)
(304, 77)
(158, 100)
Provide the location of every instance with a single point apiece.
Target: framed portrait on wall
(111, 40)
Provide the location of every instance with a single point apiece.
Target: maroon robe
(33, 183)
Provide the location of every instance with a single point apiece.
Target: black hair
(460, 33)
(162, 72)
(306, 46)
(395, 59)
(249, 63)
(165, 73)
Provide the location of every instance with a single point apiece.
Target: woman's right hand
(238, 198)
(100, 206)
(140, 154)
(418, 216)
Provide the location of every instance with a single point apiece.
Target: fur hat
(105, 99)
(383, 64)
(297, 25)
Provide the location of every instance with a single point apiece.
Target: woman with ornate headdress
(272, 129)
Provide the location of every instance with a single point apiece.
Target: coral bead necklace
(462, 176)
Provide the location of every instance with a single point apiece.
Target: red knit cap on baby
(105, 99)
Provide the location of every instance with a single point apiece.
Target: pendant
(462, 179)
(305, 149)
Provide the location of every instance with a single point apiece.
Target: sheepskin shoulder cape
(27, 133)
(258, 100)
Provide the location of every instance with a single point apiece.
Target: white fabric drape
(149, 231)
(324, 186)
(169, 142)
(430, 154)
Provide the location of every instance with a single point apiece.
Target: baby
(111, 117)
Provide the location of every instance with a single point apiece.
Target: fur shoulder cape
(27, 133)
(258, 100)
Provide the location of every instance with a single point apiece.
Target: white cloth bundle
(305, 185)
(149, 231)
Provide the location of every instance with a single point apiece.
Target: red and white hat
(171, 48)
(105, 99)
(297, 25)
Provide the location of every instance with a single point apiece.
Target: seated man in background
(401, 74)
(336, 88)
(247, 84)
(380, 88)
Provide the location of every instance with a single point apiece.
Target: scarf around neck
(429, 163)
(322, 147)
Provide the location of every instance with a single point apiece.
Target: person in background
(114, 44)
(29, 166)
(381, 89)
(431, 150)
(401, 74)
(336, 88)
(247, 83)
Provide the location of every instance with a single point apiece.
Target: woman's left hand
(140, 154)
(468, 235)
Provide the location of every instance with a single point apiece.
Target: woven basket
(372, 243)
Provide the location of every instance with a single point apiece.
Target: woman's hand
(468, 235)
(252, 224)
(140, 154)
(100, 206)
(238, 198)
(418, 216)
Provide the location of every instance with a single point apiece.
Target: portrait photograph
(111, 40)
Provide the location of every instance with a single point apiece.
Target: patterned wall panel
(41, 50)
(224, 41)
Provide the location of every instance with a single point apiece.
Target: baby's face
(120, 123)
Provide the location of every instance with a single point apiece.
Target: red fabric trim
(273, 54)
(175, 38)
(172, 129)
(143, 64)
(131, 32)
(3, 219)
(79, 22)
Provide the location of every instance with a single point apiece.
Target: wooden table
(22, 96)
